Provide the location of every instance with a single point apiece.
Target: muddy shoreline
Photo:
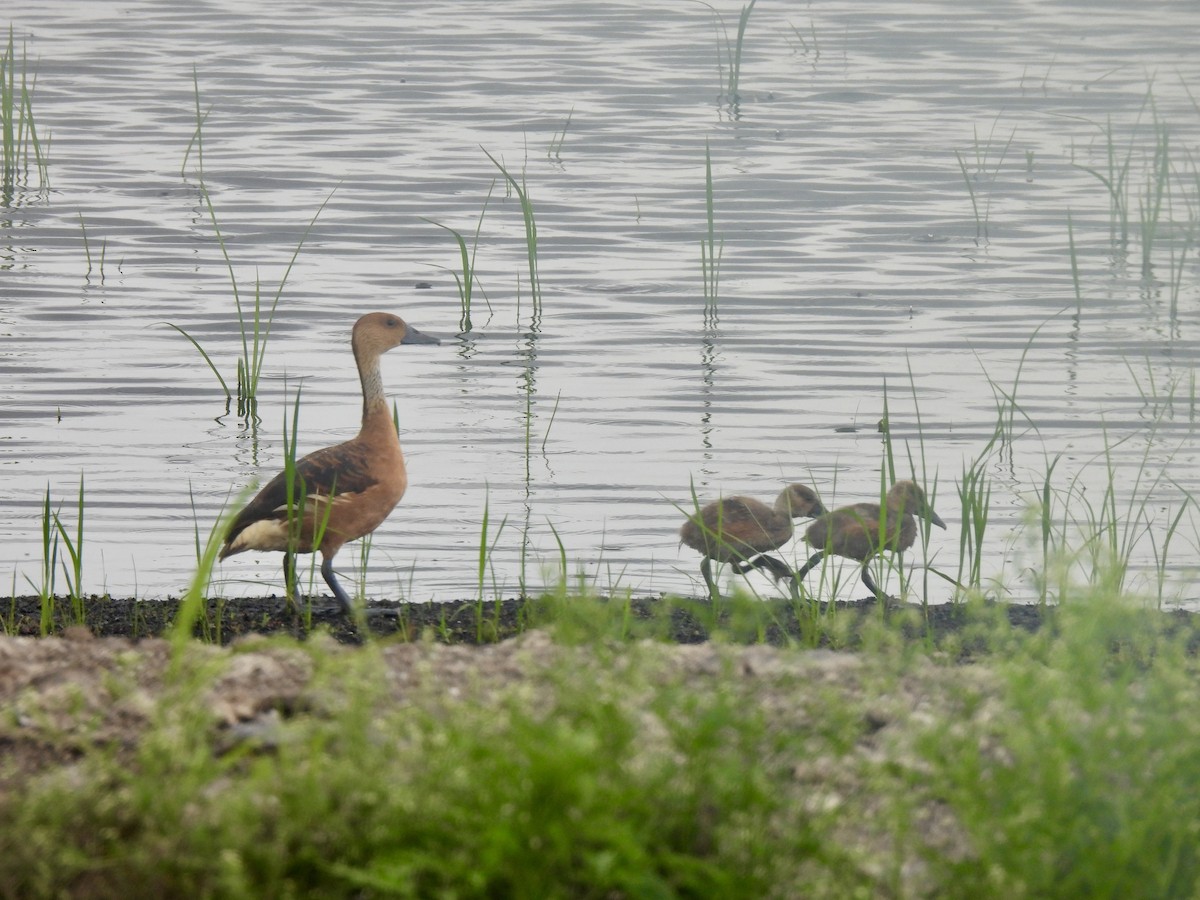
(681, 620)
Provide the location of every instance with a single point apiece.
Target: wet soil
(681, 620)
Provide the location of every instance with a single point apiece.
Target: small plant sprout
(87, 250)
(710, 249)
(531, 243)
(468, 279)
(806, 46)
(983, 150)
(732, 57)
(255, 318)
(556, 143)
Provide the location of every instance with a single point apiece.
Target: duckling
(741, 531)
(348, 489)
(856, 532)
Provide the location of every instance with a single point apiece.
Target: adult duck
(339, 493)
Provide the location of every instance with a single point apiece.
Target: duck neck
(375, 408)
(898, 508)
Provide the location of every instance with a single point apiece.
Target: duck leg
(342, 597)
(291, 584)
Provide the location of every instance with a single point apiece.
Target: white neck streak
(374, 399)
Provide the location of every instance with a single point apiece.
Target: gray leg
(870, 583)
(342, 597)
(706, 571)
(778, 568)
(291, 586)
(808, 566)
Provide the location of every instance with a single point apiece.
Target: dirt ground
(51, 684)
(100, 684)
(74, 665)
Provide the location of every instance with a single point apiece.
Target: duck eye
(391, 323)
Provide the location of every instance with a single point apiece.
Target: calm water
(852, 260)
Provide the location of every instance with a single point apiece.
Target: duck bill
(412, 336)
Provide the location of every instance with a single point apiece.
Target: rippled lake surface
(891, 192)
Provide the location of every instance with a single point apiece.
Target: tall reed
(468, 279)
(983, 151)
(554, 151)
(531, 241)
(255, 318)
(18, 130)
(732, 49)
(710, 249)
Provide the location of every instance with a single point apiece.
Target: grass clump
(256, 316)
(1075, 776)
(570, 764)
(19, 139)
(575, 780)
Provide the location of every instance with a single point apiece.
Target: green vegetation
(584, 760)
(1148, 181)
(87, 250)
(556, 142)
(466, 282)
(254, 318)
(531, 244)
(984, 168)
(18, 130)
(60, 551)
(732, 56)
(710, 249)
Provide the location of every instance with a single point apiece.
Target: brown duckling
(742, 530)
(856, 531)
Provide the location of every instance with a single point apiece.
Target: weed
(809, 46)
(87, 250)
(468, 279)
(556, 143)
(18, 130)
(531, 243)
(983, 150)
(710, 250)
(732, 49)
(254, 321)
(1076, 783)
(486, 548)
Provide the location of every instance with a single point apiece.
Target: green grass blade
(205, 355)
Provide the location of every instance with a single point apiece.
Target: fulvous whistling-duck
(863, 530)
(347, 490)
(741, 530)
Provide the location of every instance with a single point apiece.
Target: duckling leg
(342, 597)
(781, 571)
(706, 571)
(812, 562)
(778, 568)
(870, 583)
